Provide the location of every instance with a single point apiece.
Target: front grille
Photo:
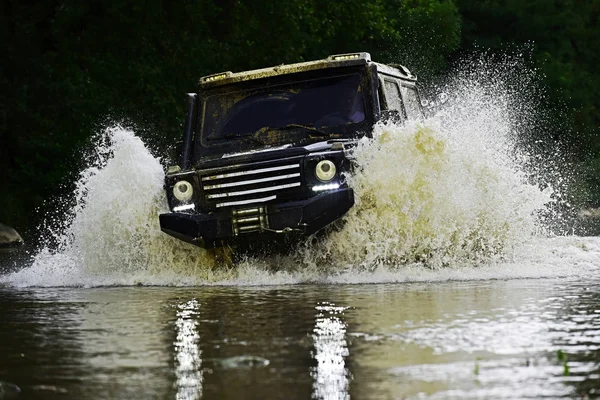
(248, 185)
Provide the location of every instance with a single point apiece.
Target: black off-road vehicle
(265, 151)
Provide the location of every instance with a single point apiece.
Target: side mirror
(391, 116)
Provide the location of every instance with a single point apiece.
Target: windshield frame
(207, 147)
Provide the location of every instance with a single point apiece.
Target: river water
(449, 339)
(448, 279)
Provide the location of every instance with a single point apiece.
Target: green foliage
(565, 37)
(428, 33)
(562, 358)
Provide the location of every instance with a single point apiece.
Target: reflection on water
(331, 375)
(452, 340)
(479, 340)
(187, 354)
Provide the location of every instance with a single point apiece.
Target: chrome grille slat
(249, 172)
(243, 202)
(252, 191)
(250, 183)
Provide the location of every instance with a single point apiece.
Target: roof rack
(335, 60)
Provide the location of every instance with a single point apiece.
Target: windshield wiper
(247, 136)
(314, 132)
(318, 132)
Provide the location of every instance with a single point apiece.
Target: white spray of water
(445, 192)
(113, 236)
(433, 195)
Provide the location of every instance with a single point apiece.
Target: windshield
(313, 105)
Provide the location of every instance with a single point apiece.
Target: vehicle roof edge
(333, 61)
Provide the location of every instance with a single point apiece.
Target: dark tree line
(71, 66)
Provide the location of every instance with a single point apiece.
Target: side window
(382, 101)
(411, 100)
(392, 94)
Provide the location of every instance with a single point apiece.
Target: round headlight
(325, 170)
(183, 191)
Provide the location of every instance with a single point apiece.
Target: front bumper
(213, 229)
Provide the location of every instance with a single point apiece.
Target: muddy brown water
(524, 338)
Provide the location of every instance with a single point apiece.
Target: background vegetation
(72, 65)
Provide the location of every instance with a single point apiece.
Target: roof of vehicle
(333, 61)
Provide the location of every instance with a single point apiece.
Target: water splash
(112, 234)
(436, 196)
(440, 199)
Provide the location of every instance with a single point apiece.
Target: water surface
(479, 339)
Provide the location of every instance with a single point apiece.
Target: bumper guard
(306, 217)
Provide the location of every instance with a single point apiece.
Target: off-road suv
(265, 152)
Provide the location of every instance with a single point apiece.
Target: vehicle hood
(265, 154)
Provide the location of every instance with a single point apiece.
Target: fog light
(184, 207)
(183, 191)
(325, 170)
(330, 186)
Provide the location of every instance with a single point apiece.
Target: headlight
(325, 170)
(183, 191)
